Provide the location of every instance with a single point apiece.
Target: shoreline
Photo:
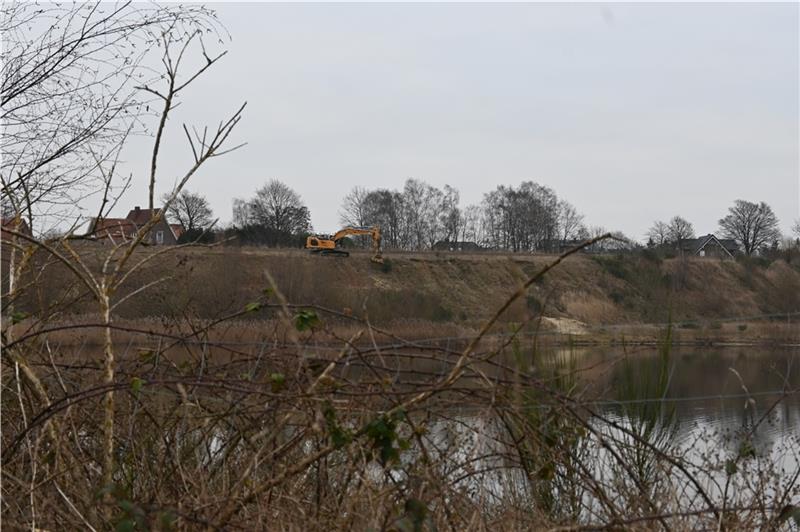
(84, 331)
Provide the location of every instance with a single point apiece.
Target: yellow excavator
(327, 244)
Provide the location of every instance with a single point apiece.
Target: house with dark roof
(120, 230)
(709, 246)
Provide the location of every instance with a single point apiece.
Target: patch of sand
(566, 325)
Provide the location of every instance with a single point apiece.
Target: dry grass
(287, 437)
(442, 288)
(590, 308)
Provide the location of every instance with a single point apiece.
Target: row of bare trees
(754, 227)
(524, 218)
(420, 216)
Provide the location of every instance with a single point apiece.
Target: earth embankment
(585, 290)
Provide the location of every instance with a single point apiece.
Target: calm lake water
(723, 387)
(713, 387)
(708, 394)
(711, 401)
(712, 396)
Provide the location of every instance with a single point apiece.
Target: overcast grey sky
(631, 112)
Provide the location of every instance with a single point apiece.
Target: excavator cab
(327, 245)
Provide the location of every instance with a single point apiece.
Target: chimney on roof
(137, 209)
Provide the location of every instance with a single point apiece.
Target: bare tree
(471, 224)
(384, 208)
(415, 218)
(242, 214)
(449, 219)
(355, 212)
(416, 225)
(679, 229)
(191, 210)
(593, 233)
(796, 228)
(751, 224)
(354, 207)
(280, 208)
(523, 218)
(570, 221)
(658, 233)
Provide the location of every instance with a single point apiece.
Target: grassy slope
(441, 287)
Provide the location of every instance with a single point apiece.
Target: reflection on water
(715, 401)
(715, 389)
(715, 411)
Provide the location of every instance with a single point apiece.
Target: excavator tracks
(331, 252)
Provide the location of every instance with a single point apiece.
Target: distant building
(113, 230)
(456, 245)
(10, 224)
(177, 230)
(710, 246)
(120, 230)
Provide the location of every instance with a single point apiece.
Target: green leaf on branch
(339, 436)
(277, 381)
(305, 320)
(167, 520)
(416, 518)
(746, 450)
(383, 433)
(136, 384)
(252, 307)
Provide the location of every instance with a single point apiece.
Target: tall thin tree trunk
(108, 402)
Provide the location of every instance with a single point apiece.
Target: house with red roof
(120, 230)
(13, 224)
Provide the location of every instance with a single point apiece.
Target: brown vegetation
(429, 292)
(378, 433)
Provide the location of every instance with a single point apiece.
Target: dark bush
(196, 235)
(651, 255)
(533, 304)
(386, 266)
(614, 265)
(260, 235)
(753, 262)
(617, 297)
